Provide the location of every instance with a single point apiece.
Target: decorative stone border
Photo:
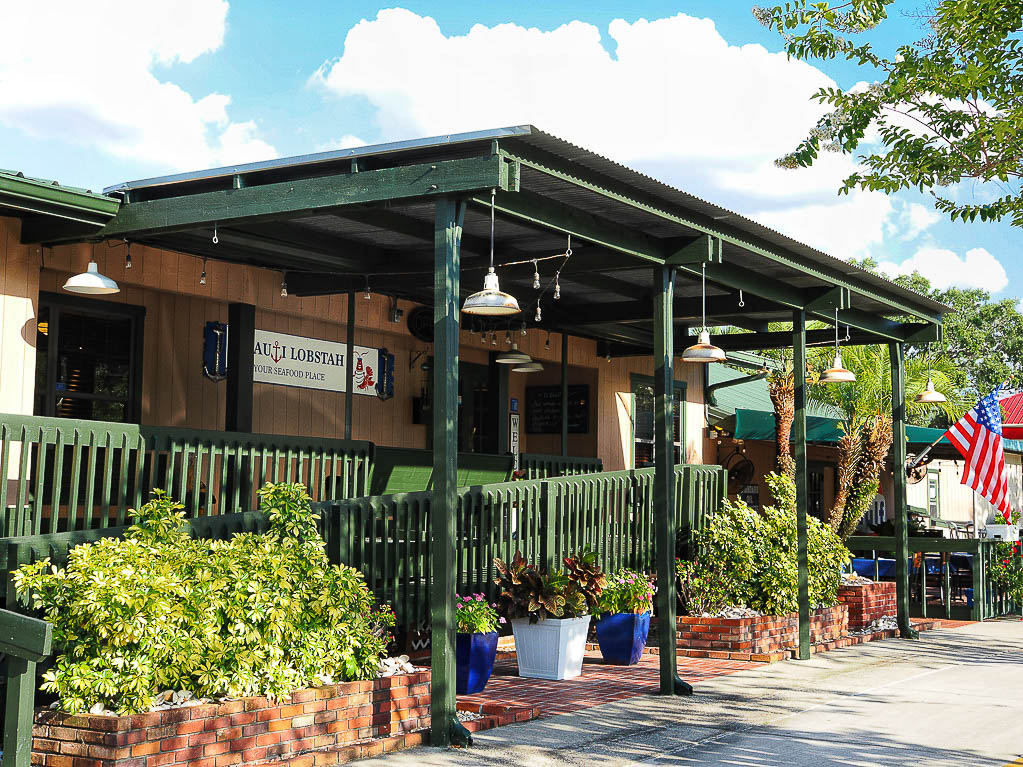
(240, 731)
(765, 638)
(867, 602)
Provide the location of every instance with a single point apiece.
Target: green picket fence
(538, 466)
(387, 537)
(947, 567)
(78, 475)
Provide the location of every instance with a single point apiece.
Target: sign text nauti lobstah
(312, 363)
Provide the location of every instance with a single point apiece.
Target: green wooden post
(664, 479)
(897, 356)
(564, 394)
(802, 497)
(445, 728)
(25, 641)
(350, 365)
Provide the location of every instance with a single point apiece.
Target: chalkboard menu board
(543, 409)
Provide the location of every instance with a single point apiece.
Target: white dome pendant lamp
(703, 350)
(929, 396)
(491, 301)
(91, 282)
(837, 373)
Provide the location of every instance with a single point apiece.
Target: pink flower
(479, 597)
(502, 620)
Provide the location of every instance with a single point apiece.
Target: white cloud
(674, 99)
(913, 219)
(82, 73)
(945, 268)
(848, 228)
(347, 141)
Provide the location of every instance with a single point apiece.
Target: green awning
(759, 425)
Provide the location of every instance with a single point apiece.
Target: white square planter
(1002, 532)
(552, 648)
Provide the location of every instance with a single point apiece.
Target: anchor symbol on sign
(277, 352)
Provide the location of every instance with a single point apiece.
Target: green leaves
(946, 108)
(258, 614)
(748, 558)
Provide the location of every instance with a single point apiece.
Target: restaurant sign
(312, 363)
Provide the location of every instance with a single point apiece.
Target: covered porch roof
(339, 221)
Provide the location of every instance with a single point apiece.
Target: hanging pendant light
(929, 396)
(703, 350)
(513, 356)
(91, 282)
(528, 367)
(837, 373)
(491, 300)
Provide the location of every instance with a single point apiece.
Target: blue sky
(95, 94)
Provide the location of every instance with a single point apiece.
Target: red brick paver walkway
(598, 684)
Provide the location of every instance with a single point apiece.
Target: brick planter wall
(868, 602)
(765, 638)
(246, 730)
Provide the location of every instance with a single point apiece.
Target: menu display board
(543, 409)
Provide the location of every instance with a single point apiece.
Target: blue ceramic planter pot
(622, 637)
(474, 659)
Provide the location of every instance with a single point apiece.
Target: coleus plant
(527, 592)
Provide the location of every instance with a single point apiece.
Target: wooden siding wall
(614, 408)
(19, 291)
(175, 393)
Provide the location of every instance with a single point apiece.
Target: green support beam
(597, 183)
(664, 480)
(305, 196)
(551, 214)
(897, 357)
(701, 250)
(802, 497)
(445, 729)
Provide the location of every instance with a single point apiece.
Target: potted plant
(550, 613)
(622, 617)
(475, 644)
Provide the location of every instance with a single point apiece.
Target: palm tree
(864, 408)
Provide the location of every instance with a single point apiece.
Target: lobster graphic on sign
(362, 376)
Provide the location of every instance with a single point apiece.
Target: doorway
(478, 408)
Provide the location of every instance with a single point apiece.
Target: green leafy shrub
(585, 578)
(255, 615)
(475, 615)
(748, 558)
(626, 592)
(528, 592)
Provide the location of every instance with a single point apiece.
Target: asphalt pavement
(952, 698)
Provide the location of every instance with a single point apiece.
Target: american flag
(978, 437)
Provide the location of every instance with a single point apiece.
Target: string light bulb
(127, 255)
(547, 343)
(507, 337)
(536, 276)
(284, 288)
(367, 295)
(523, 331)
(202, 277)
(493, 338)
(557, 286)
(539, 315)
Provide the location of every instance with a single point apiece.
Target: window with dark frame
(88, 359)
(643, 421)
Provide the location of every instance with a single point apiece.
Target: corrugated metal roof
(666, 197)
(17, 174)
